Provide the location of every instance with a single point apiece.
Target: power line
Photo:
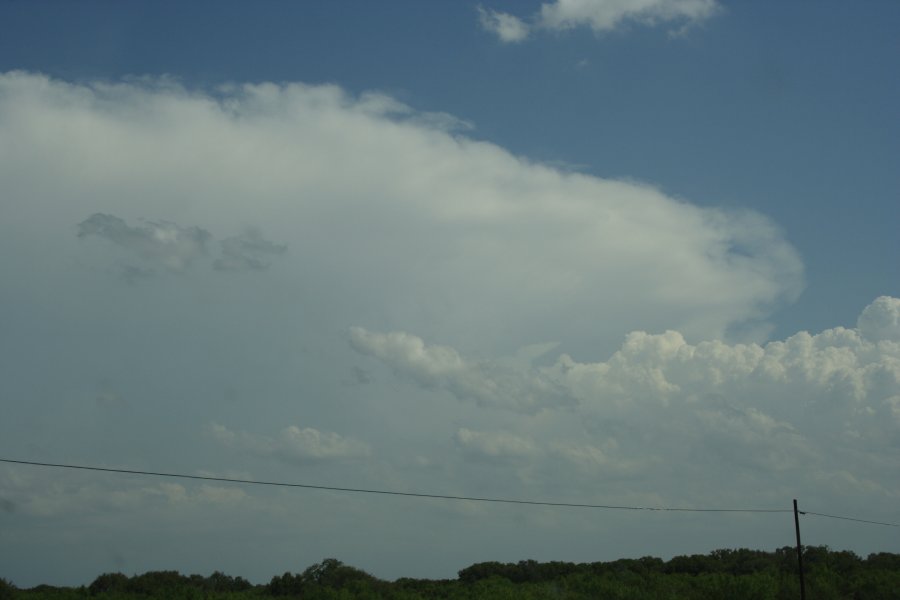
(393, 493)
(807, 512)
(438, 496)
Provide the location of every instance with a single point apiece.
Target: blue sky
(371, 244)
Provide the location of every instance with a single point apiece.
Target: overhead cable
(808, 512)
(437, 496)
(392, 492)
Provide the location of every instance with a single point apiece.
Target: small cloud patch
(249, 251)
(169, 247)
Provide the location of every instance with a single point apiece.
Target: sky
(634, 252)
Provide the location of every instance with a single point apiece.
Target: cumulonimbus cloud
(437, 232)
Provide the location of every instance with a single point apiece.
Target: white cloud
(802, 411)
(599, 15)
(397, 221)
(540, 460)
(30, 493)
(412, 225)
(488, 383)
(507, 27)
(293, 444)
(605, 15)
(881, 320)
(495, 445)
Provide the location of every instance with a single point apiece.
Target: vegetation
(735, 574)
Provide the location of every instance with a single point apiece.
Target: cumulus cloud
(881, 320)
(599, 15)
(810, 408)
(293, 444)
(488, 383)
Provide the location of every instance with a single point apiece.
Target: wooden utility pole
(799, 550)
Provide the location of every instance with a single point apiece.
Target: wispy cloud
(159, 242)
(293, 444)
(248, 251)
(507, 27)
(599, 15)
(488, 383)
(495, 445)
(171, 247)
(35, 495)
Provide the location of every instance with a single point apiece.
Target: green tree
(285, 585)
(108, 583)
(7, 590)
(335, 574)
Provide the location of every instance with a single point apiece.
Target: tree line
(740, 574)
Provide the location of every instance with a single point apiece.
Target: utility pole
(799, 550)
